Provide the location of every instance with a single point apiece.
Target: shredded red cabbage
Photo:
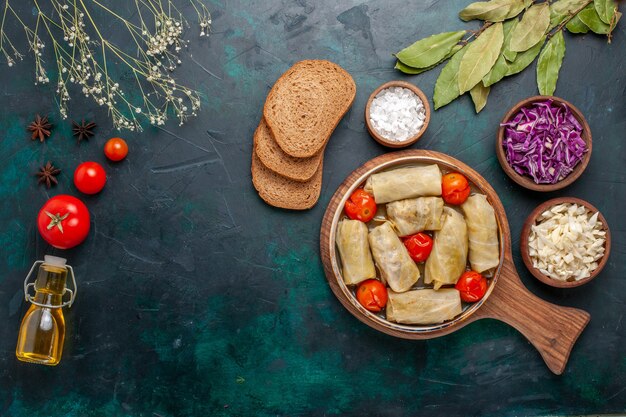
(544, 142)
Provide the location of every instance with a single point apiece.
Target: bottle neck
(50, 285)
(49, 299)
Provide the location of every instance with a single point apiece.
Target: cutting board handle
(552, 329)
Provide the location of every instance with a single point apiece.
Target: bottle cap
(54, 260)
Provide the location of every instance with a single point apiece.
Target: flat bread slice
(274, 158)
(305, 105)
(279, 191)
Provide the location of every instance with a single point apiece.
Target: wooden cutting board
(552, 329)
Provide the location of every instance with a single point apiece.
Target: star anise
(40, 127)
(83, 130)
(47, 174)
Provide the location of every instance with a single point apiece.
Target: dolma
(423, 306)
(415, 214)
(448, 259)
(354, 250)
(402, 183)
(482, 228)
(396, 267)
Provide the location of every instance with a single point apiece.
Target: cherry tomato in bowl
(419, 246)
(361, 206)
(116, 149)
(63, 221)
(472, 286)
(90, 177)
(455, 188)
(372, 295)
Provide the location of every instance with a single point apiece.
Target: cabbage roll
(424, 306)
(415, 214)
(402, 183)
(354, 250)
(396, 267)
(482, 228)
(448, 259)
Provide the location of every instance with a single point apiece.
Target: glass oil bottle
(42, 331)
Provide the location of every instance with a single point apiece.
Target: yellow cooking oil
(42, 332)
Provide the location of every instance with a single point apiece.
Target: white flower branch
(82, 61)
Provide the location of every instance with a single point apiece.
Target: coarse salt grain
(397, 114)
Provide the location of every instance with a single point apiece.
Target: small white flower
(138, 110)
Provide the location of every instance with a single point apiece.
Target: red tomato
(455, 188)
(419, 246)
(472, 286)
(361, 206)
(372, 295)
(90, 177)
(63, 221)
(116, 149)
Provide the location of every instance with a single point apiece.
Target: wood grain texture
(552, 329)
(527, 182)
(530, 221)
(377, 136)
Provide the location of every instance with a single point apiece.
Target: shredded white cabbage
(567, 242)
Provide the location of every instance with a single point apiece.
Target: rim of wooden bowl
(530, 220)
(377, 136)
(527, 182)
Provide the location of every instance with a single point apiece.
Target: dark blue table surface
(196, 298)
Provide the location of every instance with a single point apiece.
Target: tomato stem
(57, 220)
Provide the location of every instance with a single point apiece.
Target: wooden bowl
(377, 136)
(530, 221)
(552, 329)
(527, 182)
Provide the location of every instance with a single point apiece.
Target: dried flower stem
(82, 61)
(612, 24)
(475, 33)
(567, 19)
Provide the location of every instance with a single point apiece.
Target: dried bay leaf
(531, 28)
(410, 70)
(479, 95)
(500, 68)
(414, 71)
(549, 64)
(447, 85)
(577, 26)
(429, 51)
(521, 61)
(561, 9)
(480, 57)
(589, 16)
(517, 8)
(492, 11)
(524, 59)
(605, 9)
(510, 55)
(498, 72)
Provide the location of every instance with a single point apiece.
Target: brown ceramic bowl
(381, 139)
(526, 181)
(530, 221)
